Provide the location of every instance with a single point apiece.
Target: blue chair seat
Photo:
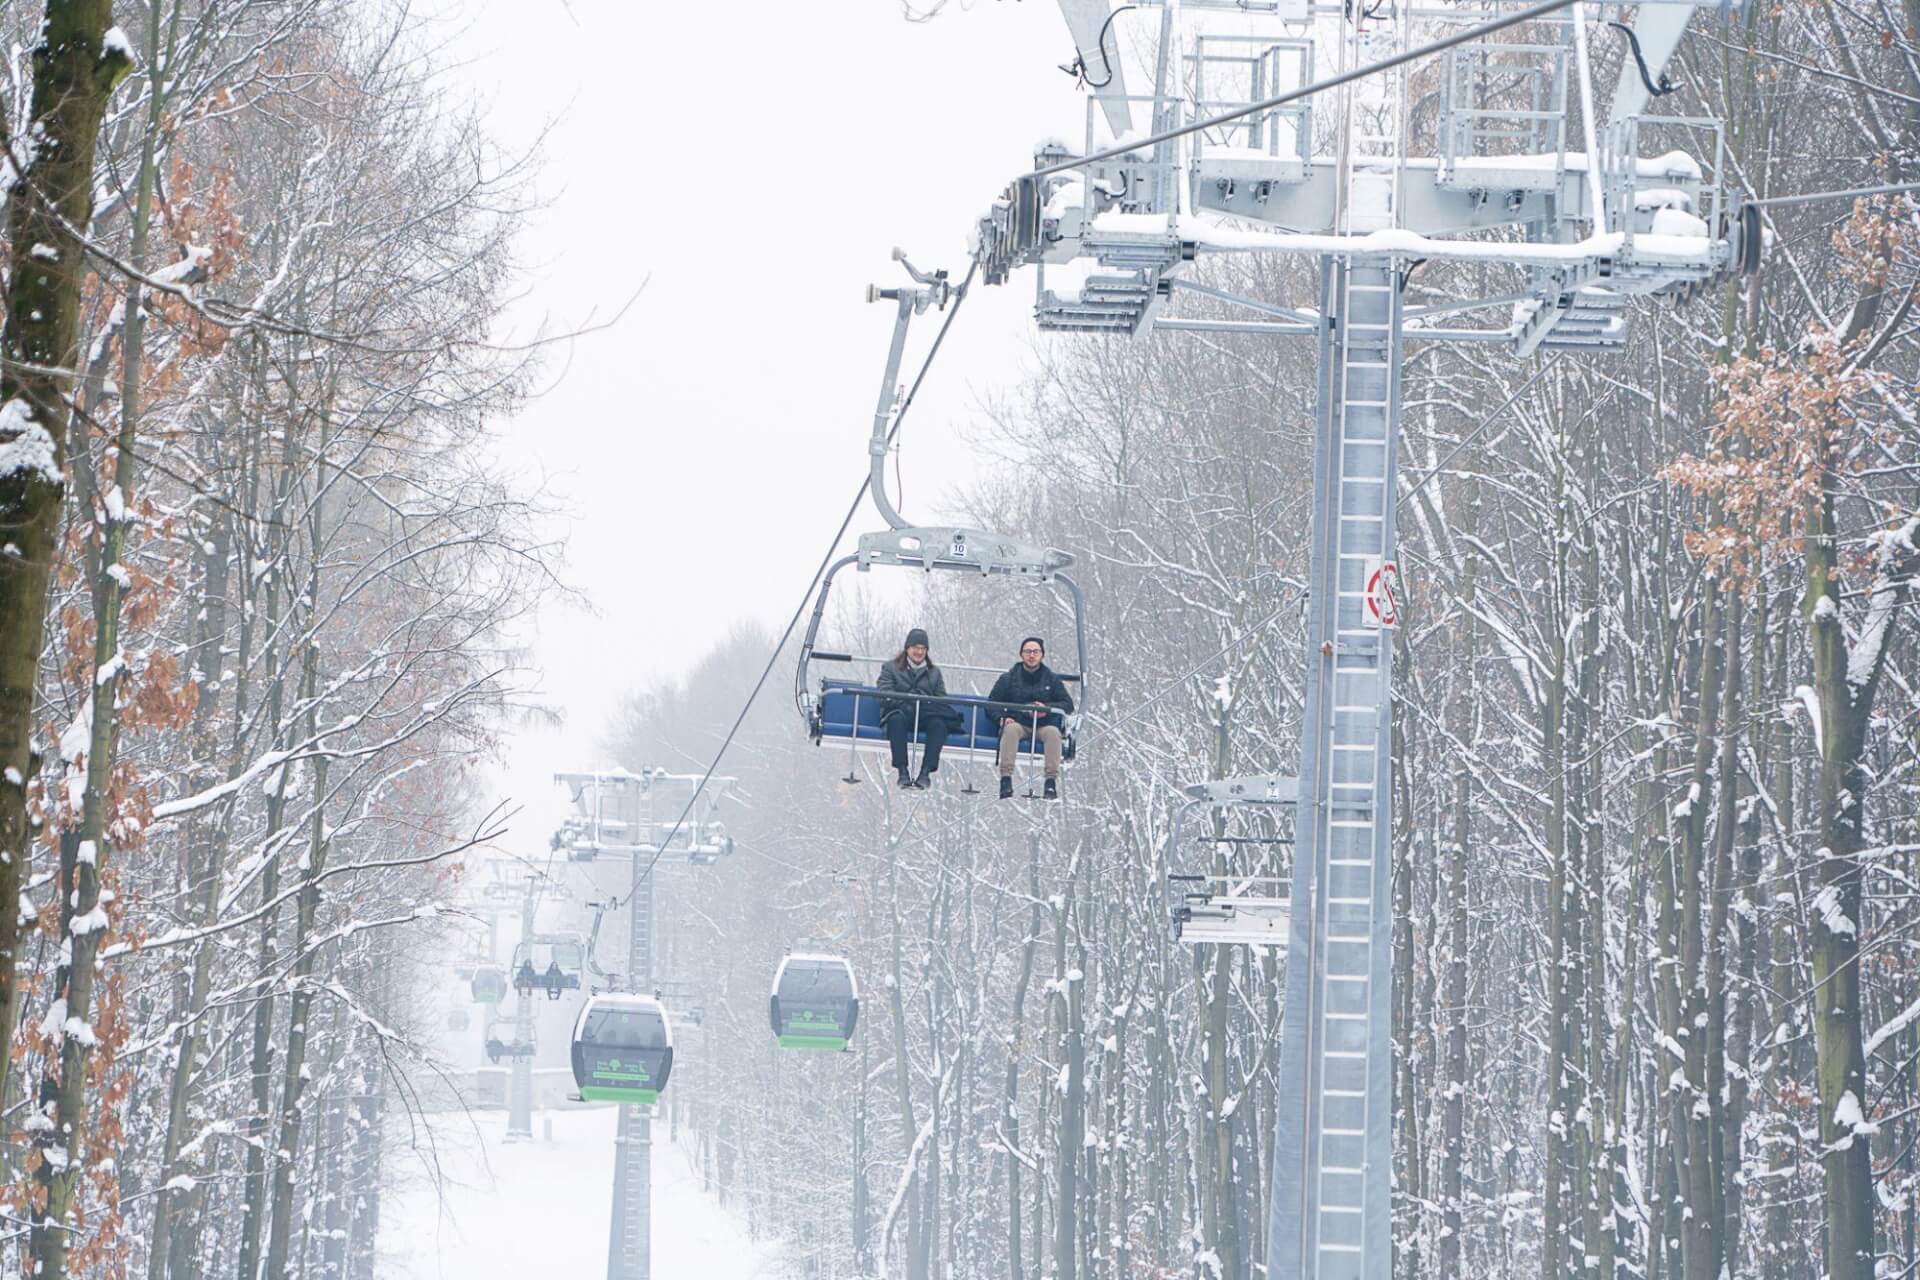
(851, 710)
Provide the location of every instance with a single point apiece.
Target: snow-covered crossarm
(1115, 234)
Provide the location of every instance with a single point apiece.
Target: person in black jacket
(1031, 682)
(913, 672)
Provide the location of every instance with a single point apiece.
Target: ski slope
(506, 1211)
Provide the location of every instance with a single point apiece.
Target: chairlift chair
(565, 956)
(511, 1050)
(849, 710)
(622, 1049)
(815, 1002)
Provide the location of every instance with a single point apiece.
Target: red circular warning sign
(1383, 592)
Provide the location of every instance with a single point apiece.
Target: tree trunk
(1780, 1246)
(74, 73)
(1460, 719)
(1718, 877)
(1554, 755)
(206, 851)
(1845, 684)
(1221, 1215)
(1693, 1108)
(293, 1080)
(862, 1256)
(1073, 1049)
(84, 918)
(903, 1084)
(1408, 998)
(306, 915)
(1010, 1114)
(260, 1068)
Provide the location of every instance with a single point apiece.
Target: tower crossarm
(1499, 181)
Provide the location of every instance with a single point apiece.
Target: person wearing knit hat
(919, 710)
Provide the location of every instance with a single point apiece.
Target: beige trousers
(1012, 730)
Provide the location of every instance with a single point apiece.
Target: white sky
(754, 162)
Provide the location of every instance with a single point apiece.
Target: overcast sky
(753, 163)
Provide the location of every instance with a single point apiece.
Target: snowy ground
(509, 1211)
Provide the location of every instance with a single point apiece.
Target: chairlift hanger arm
(905, 543)
(802, 688)
(934, 291)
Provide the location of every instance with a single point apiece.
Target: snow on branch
(1894, 553)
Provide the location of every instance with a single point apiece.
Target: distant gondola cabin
(815, 1003)
(489, 984)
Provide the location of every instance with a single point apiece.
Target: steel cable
(846, 522)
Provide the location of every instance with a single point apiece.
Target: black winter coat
(1039, 685)
(927, 681)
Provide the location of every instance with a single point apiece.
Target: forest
(255, 614)
(263, 584)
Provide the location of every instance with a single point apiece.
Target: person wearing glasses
(1033, 683)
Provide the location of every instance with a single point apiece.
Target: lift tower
(1578, 226)
(633, 822)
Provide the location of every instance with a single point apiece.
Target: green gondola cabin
(622, 1049)
(815, 1003)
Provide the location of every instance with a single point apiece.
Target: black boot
(906, 779)
(1006, 788)
(924, 781)
(1053, 789)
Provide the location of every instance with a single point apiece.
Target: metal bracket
(949, 547)
(1263, 788)
(1234, 908)
(1247, 910)
(1559, 294)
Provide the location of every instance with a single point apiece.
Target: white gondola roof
(627, 1002)
(841, 962)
